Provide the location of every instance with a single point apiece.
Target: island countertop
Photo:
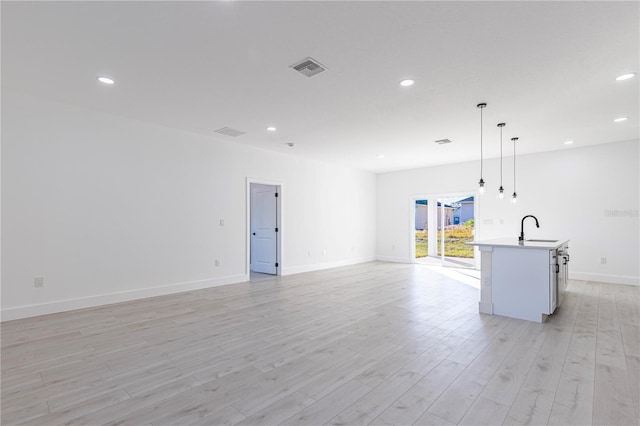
(522, 279)
(526, 244)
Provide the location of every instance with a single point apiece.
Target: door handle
(254, 233)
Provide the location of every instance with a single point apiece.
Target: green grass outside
(454, 242)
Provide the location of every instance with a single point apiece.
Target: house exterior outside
(422, 215)
(464, 212)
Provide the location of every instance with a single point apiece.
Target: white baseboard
(326, 265)
(605, 278)
(19, 312)
(393, 259)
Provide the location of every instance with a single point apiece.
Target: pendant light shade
(501, 189)
(481, 188)
(514, 197)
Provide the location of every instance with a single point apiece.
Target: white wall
(570, 191)
(110, 209)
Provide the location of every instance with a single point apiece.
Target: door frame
(279, 222)
(435, 196)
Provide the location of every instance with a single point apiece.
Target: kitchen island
(522, 279)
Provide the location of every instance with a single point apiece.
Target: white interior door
(264, 222)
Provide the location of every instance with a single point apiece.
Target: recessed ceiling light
(620, 119)
(626, 76)
(568, 142)
(105, 80)
(407, 83)
(380, 156)
(271, 129)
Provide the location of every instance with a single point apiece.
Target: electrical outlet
(38, 282)
(603, 260)
(393, 247)
(221, 222)
(324, 252)
(217, 263)
(309, 253)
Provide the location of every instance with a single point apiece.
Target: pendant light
(501, 189)
(514, 197)
(482, 189)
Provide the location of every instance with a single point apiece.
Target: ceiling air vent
(443, 141)
(309, 67)
(230, 132)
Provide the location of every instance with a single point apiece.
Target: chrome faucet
(521, 238)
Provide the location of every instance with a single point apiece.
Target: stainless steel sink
(542, 241)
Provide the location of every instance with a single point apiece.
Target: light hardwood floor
(376, 343)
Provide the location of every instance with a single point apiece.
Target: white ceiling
(545, 68)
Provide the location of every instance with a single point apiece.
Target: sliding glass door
(456, 223)
(442, 225)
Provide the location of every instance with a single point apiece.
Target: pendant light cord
(501, 156)
(514, 164)
(481, 156)
(481, 182)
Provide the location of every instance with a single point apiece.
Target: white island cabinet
(522, 279)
